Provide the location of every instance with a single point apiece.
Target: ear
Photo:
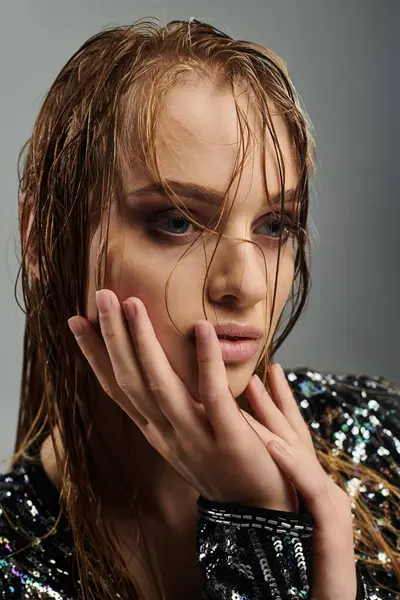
(26, 213)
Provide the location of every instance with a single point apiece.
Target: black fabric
(244, 553)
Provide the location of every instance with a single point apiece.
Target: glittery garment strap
(249, 553)
(253, 553)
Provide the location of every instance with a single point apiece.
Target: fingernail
(279, 371)
(103, 301)
(281, 446)
(129, 309)
(258, 382)
(75, 326)
(202, 330)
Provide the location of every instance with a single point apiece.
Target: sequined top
(244, 553)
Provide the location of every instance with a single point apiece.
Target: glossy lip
(235, 330)
(238, 350)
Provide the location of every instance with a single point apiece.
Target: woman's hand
(209, 443)
(334, 573)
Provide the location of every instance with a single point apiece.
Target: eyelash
(183, 238)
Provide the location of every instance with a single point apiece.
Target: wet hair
(100, 116)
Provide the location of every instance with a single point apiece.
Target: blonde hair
(100, 114)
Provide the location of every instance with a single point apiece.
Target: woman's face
(197, 143)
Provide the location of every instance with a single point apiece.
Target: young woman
(159, 452)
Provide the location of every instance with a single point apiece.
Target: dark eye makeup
(174, 227)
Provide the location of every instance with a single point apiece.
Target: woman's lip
(238, 350)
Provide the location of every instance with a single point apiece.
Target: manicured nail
(258, 382)
(279, 372)
(130, 309)
(103, 301)
(75, 326)
(202, 330)
(280, 446)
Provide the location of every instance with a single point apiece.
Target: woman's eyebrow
(199, 192)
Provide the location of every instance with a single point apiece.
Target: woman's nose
(238, 273)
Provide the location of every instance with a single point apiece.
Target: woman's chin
(238, 382)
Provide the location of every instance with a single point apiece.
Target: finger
(286, 402)
(125, 363)
(268, 413)
(95, 352)
(169, 392)
(303, 468)
(330, 507)
(263, 432)
(219, 404)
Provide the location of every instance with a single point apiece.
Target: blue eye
(178, 223)
(276, 227)
(177, 226)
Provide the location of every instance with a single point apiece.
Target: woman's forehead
(203, 114)
(199, 134)
(198, 140)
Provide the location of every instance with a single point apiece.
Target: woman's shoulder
(357, 413)
(311, 382)
(23, 507)
(30, 567)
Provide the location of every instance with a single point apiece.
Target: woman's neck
(167, 507)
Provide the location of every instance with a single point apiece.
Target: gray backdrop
(343, 58)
